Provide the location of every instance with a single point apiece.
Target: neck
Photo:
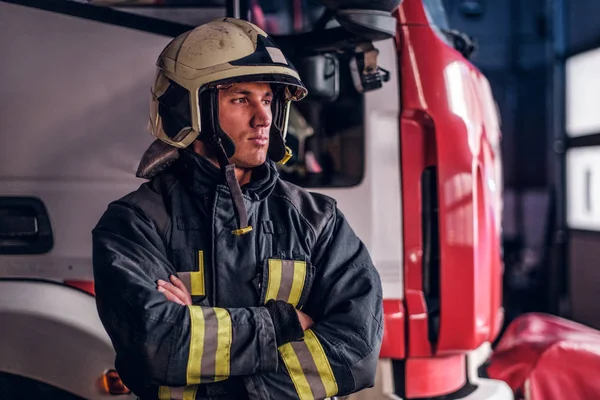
(243, 175)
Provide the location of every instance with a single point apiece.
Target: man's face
(245, 116)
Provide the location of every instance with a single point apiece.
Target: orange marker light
(113, 384)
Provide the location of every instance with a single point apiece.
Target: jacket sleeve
(346, 305)
(339, 355)
(159, 342)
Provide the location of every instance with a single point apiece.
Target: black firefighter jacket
(301, 250)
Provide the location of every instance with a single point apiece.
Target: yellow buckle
(288, 155)
(242, 231)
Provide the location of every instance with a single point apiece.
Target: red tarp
(543, 357)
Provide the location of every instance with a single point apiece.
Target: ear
(211, 127)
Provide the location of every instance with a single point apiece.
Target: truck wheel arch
(52, 334)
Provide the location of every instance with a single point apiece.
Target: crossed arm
(176, 292)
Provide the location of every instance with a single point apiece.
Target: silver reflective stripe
(286, 280)
(209, 357)
(210, 345)
(309, 368)
(186, 278)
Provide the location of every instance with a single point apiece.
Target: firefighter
(216, 279)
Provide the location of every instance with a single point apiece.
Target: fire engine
(399, 127)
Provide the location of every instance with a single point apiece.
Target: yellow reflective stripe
(196, 345)
(164, 393)
(296, 373)
(298, 282)
(189, 392)
(177, 393)
(321, 361)
(275, 267)
(224, 337)
(309, 368)
(197, 278)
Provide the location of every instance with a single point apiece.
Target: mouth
(260, 140)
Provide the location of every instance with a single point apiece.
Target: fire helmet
(196, 64)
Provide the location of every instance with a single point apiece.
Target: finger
(179, 283)
(174, 290)
(304, 320)
(182, 295)
(170, 287)
(307, 319)
(170, 296)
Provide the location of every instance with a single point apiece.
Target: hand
(305, 320)
(175, 291)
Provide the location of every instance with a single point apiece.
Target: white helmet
(194, 65)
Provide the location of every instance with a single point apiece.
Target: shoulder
(316, 208)
(151, 193)
(145, 203)
(130, 208)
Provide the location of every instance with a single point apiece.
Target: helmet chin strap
(213, 138)
(223, 147)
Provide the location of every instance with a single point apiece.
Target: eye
(240, 100)
(267, 102)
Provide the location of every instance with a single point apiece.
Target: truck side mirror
(366, 73)
(321, 75)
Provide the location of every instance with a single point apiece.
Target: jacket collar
(203, 177)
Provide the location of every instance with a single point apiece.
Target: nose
(261, 117)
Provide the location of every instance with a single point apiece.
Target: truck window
(436, 13)
(327, 138)
(438, 19)
(285, 17)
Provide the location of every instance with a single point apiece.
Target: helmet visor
(295, 89)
